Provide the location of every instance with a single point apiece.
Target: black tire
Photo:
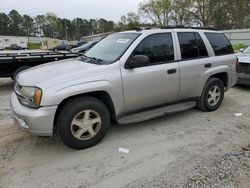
(13, 77)
(70, 111)
(203, 103)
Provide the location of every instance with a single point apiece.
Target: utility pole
(66, 31)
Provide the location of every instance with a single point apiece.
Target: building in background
(51, 43)
(29, 42)
(6, 41)
(238, 36)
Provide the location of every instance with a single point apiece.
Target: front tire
(212, 95)
(83, 122)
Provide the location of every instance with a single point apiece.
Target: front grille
(244, 68)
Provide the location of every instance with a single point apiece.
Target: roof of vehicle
(169, 29)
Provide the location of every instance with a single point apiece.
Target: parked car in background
(243, 67)
(84, 47)
(15, 47)
(77, 45)
(61, 47)
(127, 77)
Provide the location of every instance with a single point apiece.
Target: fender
(213, 71)
(56, 97)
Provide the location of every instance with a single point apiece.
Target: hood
(57, 72)
(245, 58)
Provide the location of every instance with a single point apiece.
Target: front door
(158, 82)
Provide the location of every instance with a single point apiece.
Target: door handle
(208, 65)
(171, 71)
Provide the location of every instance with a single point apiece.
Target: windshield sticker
(123, 41)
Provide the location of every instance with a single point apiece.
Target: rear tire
(83, 122)
(212, 95)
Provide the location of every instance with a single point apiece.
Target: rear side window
(219, 43)
(158, 47)
(192, 45)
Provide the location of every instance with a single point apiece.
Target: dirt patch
(187, 149)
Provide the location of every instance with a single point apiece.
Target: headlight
(29, 96)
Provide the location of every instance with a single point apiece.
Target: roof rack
(187, 27)
(143, 28)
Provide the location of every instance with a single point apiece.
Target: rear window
(192, 45)
(219, 43)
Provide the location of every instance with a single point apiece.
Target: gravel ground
(187, 149)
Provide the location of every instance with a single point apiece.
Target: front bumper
(243, 79)
(35, 121)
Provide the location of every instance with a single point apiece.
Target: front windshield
(247, 50)
(111, 48)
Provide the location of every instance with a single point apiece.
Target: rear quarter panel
(193, 74)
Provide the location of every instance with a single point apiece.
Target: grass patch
(33, 45)
(239, 46)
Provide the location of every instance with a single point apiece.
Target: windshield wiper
(96, 59)
(91, 59)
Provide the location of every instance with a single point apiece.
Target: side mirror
(242, 49)
(138, 61)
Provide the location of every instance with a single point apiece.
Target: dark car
(84, 48)
(77, 45)
(243, 67)
(61, 47)
(15, 47)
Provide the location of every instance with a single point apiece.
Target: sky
(70, 9)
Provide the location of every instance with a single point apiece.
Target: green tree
(104, 25)
(179, 13)
(4, 24)
(122, 24)
(28, 25)
(93, 25)
(231, 14)
(15, 26)
(40, 22)
(65, 29)
(81, 27)
(133, 20)
(202, 11)
(52, 24)
(158, 11)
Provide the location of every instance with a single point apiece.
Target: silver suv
(128, 77)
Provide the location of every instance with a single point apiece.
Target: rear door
(224, 54)
(194, 62)
(156, 83)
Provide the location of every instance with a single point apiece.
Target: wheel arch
(223, 76)
(103, 96)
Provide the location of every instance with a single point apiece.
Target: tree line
(221, 14)
(49, 25)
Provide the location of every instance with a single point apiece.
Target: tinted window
(202, 50)
(192, 46)
(158, 47)
(219, 43)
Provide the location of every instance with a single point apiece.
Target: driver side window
(158, 47)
